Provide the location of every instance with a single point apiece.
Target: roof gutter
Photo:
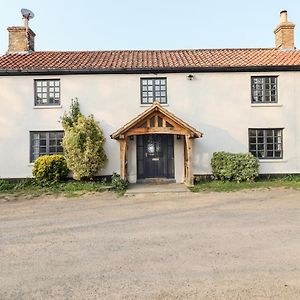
(5, 72)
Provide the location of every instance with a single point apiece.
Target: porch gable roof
(155, 107)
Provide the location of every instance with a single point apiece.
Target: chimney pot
(283, 16)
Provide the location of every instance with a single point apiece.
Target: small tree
(83, 143)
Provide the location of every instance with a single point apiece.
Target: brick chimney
(284, 33)
(21, 38)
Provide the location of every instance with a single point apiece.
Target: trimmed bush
(234, 166)
(50, 169)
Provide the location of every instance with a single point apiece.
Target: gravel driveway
(242, 245)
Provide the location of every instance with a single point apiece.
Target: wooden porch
(157, 120)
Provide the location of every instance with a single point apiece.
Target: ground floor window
(266, 143)
(45, 143)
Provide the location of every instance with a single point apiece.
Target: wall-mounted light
(191, 77)
(131, 137)
(178, 137)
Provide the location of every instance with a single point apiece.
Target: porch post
(123, 158)
(189, 178)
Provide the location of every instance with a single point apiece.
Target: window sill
(266, 105)
(272, 161)
(147, 105)
(47, 107)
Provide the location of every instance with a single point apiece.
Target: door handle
(146, 154)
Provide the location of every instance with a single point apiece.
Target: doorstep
(145, 188)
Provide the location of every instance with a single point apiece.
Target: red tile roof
(160, 60)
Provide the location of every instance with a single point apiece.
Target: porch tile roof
(164, 60)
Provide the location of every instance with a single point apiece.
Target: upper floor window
(266, 143)
(153, 89)
(47, 92)
(45, 143)
(264, 89)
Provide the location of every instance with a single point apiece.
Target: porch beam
(189, 177)
(123, 158)
(157, 130)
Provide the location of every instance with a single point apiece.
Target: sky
(63, 25)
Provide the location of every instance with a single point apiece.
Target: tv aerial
(27, 15)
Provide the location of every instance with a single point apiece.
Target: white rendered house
(164, 113)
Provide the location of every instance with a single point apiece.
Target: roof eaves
(64, 71)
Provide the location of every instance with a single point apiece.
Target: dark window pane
(43, 150)
(52, 150)
(260, 139)
(260, 133)
(60, 149)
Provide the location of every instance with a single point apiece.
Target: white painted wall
(218, 104)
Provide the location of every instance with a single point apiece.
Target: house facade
(163, 113)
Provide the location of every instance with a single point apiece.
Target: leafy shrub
(83, 143)
(118, 184)
(50, 169)
(5, 185)
(234, 167)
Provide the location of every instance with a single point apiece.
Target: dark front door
(155, 156)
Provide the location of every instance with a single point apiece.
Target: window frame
(264, 89)
(48, 92)
(47, 146)
(153, 85)
(265, 143)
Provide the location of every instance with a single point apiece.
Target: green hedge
(234, 166)
(50, 168)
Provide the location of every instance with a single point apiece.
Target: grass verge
(229, 186)
(30, 188)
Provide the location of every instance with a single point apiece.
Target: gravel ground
(242, 245)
